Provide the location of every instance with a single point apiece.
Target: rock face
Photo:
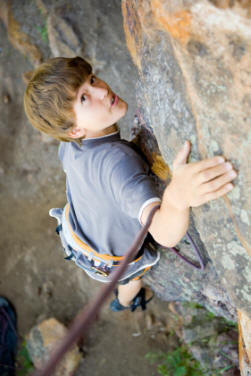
(63, 40)
(20, 40)
(212, 340)
(194, 65)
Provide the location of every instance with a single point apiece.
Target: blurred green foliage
(23, 362)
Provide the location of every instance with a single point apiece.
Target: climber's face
(97, 109)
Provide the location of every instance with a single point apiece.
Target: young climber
(109, 191)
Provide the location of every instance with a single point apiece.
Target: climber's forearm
(169, 224)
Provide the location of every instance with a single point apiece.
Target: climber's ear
(27, 76)
(77, 132)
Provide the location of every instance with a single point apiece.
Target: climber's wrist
(168, 224)
(173, 198)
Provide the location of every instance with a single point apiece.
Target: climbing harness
(100, 266)
(97, 265)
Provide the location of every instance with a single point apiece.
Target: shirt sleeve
(132, 187)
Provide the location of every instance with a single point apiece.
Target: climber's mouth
(115, 100)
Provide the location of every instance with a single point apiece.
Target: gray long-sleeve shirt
(107, 187)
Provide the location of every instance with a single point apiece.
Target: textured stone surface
(20, 40)
(212, 340)
(173, 279)
(62, 38)
(194, 65)
(43, 339)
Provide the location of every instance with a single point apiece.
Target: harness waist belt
(87, 250)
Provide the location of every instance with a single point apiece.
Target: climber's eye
(83, 98)
(92, 80)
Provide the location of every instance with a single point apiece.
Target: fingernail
(221, 160)
(232, 174)
(228, 166)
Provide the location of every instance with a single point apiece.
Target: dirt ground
(33, 272)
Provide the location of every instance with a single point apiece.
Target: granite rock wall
(194, 63)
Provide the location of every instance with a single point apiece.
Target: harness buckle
(89, 255)
(100, 272)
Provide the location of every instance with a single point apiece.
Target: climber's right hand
(194, 184)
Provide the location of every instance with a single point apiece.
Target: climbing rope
(196, 250)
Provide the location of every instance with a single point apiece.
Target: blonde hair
(50, 93)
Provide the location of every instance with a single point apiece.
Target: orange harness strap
(141, 275)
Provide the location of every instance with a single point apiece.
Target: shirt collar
(99, 140)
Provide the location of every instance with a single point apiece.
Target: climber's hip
(99, 266)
